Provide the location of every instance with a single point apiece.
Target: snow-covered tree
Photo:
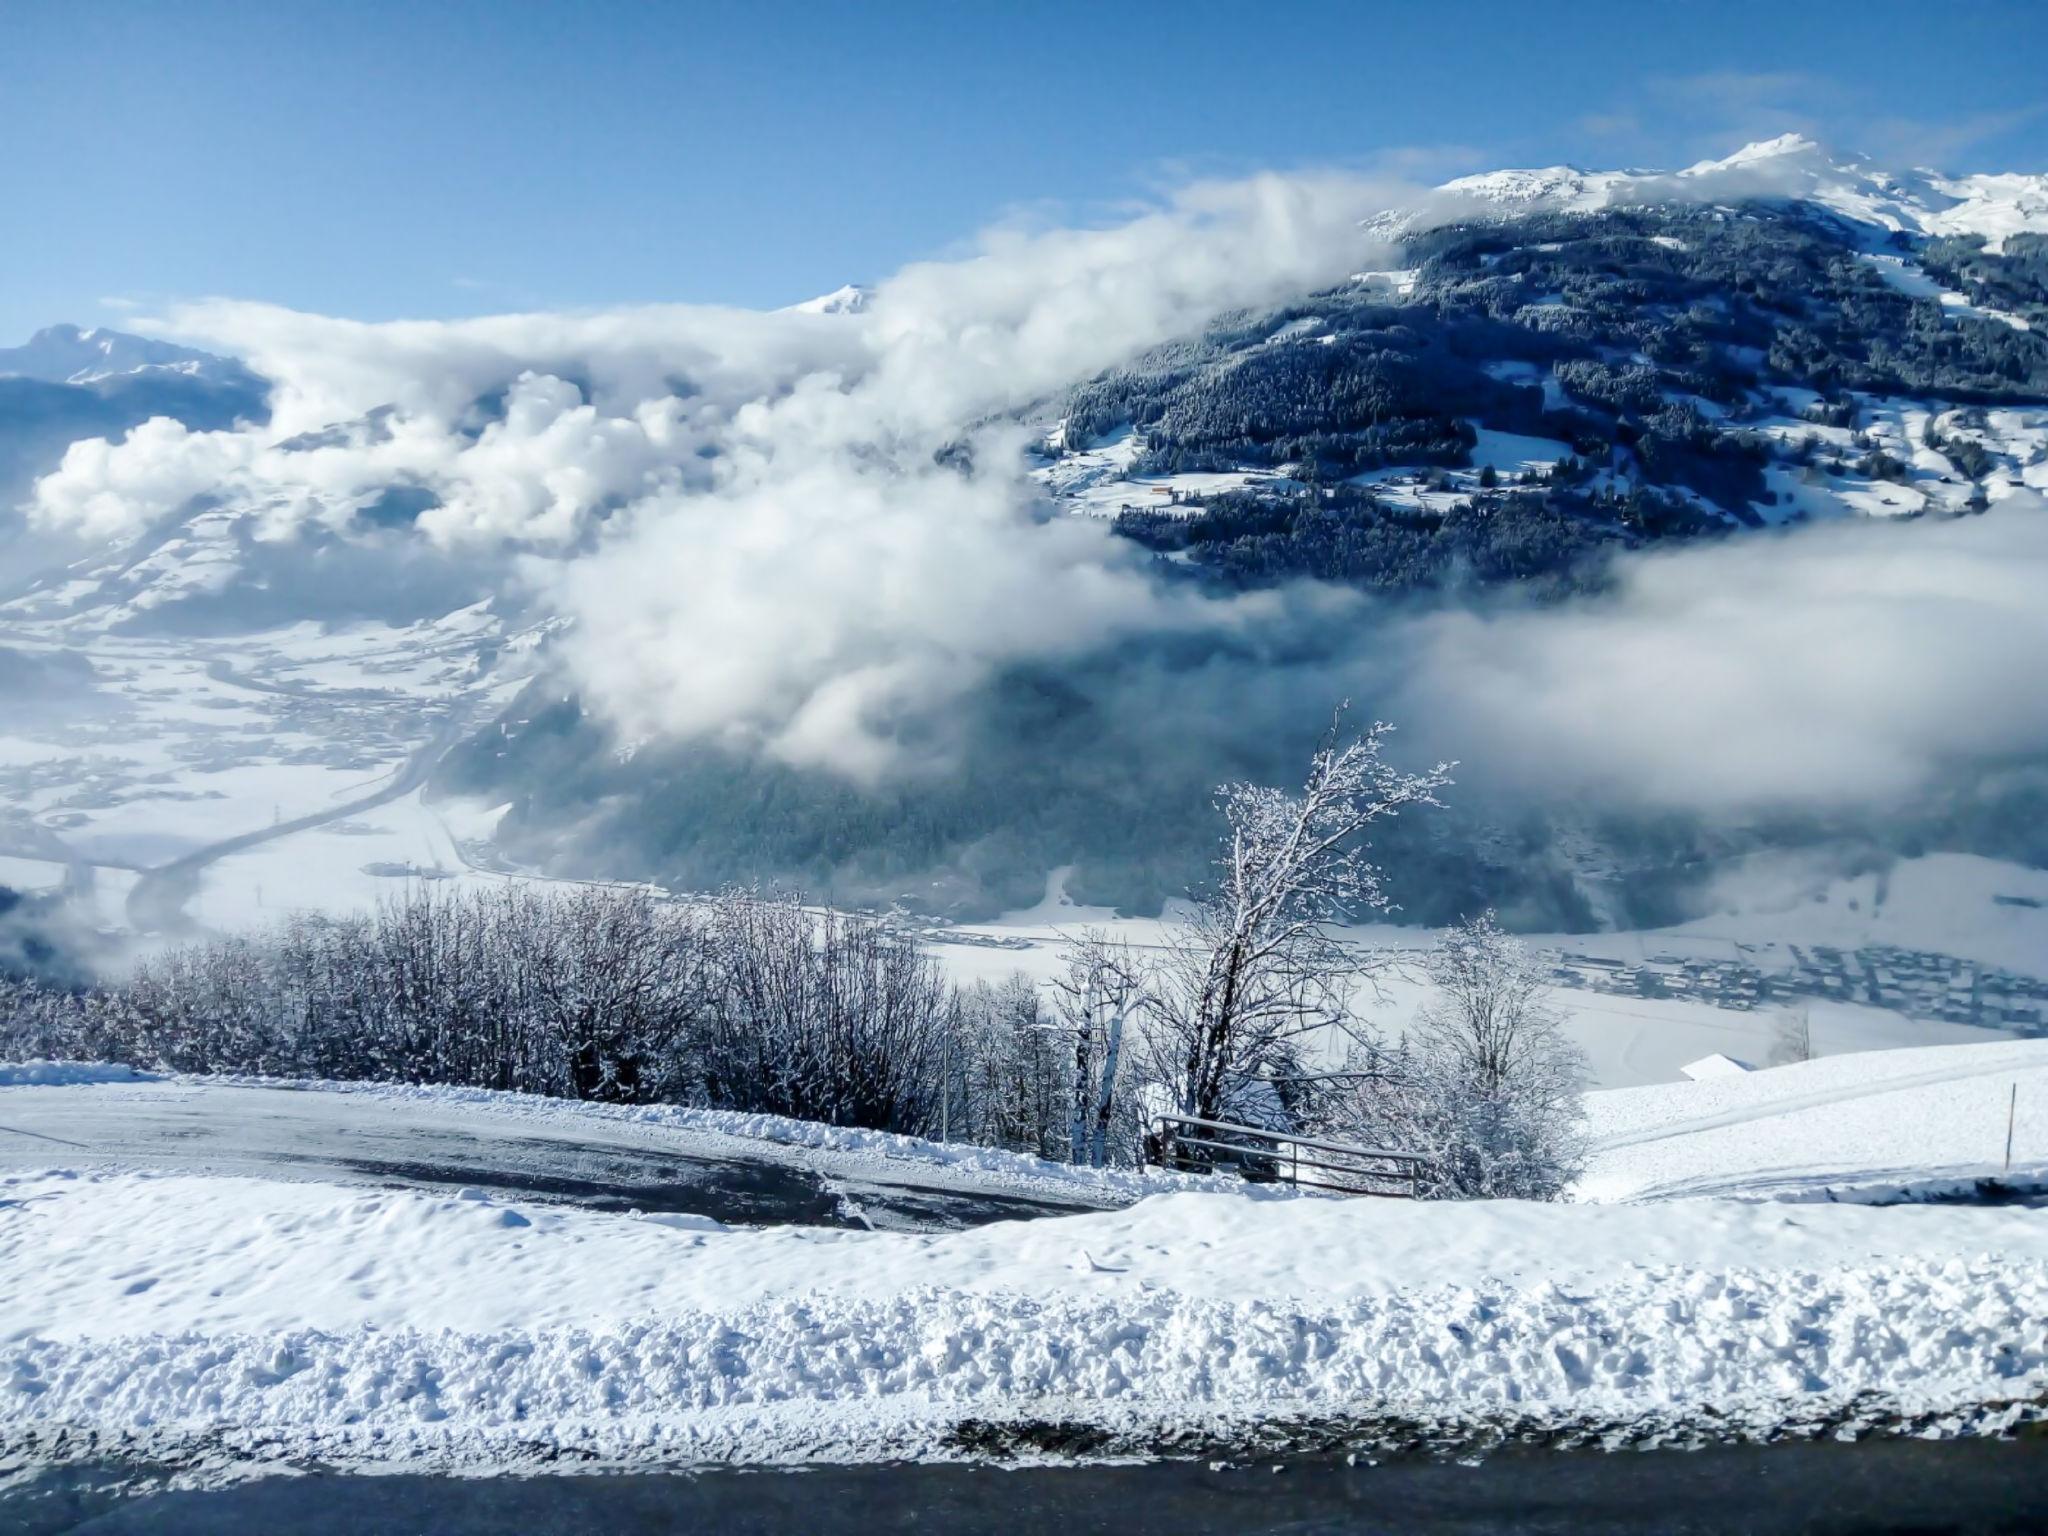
(1255, 968)
(823, 1016)
(1486, 1087)
(1103, 986)
(1004, 1072)
(1791, 1037)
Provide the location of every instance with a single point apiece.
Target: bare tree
(1009, 1069)
(823, 1016)
(1791, 1037)
(1103, 986)
(612, 980)
(1487, 1087)
(1255, 969)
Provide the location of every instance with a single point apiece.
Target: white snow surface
(1876, 1125)
(404, 1325)
(1715, 1065)
(462, 1327)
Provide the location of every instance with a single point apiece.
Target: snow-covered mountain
(1793, 168)
(64, 354)
(848, 299)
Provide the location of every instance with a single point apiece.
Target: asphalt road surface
(355, 1138)
(1969, 1487)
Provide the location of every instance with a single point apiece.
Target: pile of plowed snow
(342, 1322)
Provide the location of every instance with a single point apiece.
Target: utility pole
(2012, 1103)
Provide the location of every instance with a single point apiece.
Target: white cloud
(834, 589)
(778, 557)
(105, 490)
(1837, 665)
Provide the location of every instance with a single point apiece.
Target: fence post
(2012, 1104)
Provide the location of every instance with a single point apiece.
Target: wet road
(1814, 1490)
(608, 1165)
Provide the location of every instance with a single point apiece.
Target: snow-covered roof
(1715, 1065)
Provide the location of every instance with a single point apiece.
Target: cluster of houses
(1918, 983)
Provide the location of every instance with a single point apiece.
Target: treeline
(1550, 536)
(1358, 401)
(744, 1002)
(1719, 302)
(2015, 279)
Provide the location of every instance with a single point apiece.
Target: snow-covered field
(170, 1311)
(1884, 1125)
(169, 747)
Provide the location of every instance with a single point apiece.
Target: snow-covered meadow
(1773, 911)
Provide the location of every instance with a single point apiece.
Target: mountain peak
(850, 299)
(67, 354)
(1781, 147)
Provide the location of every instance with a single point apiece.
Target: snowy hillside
(1880, 1126)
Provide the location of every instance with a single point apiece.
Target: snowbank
(340, 1321)
(169, 1312)
(791, 1378)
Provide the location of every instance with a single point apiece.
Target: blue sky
(453, 158)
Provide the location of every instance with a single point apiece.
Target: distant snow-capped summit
(64, 354)
(852, 299)
(1794, 168)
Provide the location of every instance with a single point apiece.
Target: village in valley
(1920, 984)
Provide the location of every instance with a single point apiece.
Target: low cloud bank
(803, 532)
(1835, 665)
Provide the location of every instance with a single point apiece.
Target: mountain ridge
(1994, 206)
